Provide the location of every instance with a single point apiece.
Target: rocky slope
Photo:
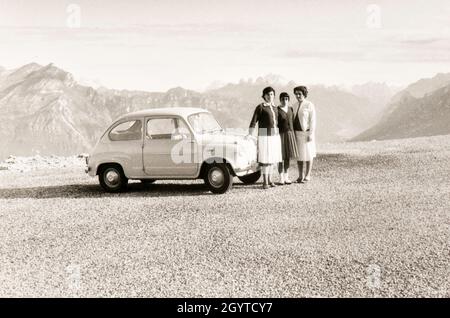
(412, 116)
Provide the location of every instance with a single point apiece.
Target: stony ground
(374, 221)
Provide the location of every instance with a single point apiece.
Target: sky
(155, 45)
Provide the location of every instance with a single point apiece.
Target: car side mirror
(177, 137)
(180, 137)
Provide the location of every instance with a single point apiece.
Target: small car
(172, 143)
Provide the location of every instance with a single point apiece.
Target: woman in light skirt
(305, 129)
(269, 143)
(288, 142)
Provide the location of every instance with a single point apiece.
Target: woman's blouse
(305, 117)
(266, 116)
(285, 119)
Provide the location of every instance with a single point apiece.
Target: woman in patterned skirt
(288, 143)
(269, 143)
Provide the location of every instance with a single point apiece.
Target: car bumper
(90, 170)
(248, 169)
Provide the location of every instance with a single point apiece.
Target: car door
(125, 143)
(169, 148)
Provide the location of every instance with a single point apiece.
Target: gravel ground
(374, 221)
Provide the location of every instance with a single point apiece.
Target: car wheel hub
(112, 178)
(216, 178)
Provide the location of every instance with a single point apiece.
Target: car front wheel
(218, 178)
(112, 178)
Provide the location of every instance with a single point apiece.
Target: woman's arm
(312, 124)
(255, 119)
(279, 117)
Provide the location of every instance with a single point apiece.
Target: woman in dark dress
(288, 143)
(269, 144)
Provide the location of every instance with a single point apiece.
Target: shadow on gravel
(95, 191)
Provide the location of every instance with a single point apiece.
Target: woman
(269, 144)
(305, 129)
(288, 142)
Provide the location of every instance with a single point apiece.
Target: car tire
(148, 181)
(218, 178)
(112, 179)
(251, 178)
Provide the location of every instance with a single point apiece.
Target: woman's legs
(286, 171)
(264, 171)
(270, 172)
(281, 170)
(309, 165)
(280, 167)
(300, 171)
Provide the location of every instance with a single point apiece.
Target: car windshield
(204, 123)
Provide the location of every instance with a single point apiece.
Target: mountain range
(421, 109)
(44, 110)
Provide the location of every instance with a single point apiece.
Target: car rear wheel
(218, 178)
(251, 178)
(112, 178)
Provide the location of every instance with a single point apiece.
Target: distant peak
(52, 70)
(178, 90)
(52, 66)
(30, 67)
(442, 75)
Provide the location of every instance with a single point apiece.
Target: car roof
(179, 111)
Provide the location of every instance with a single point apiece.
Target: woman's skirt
(289, 149)
(269, 149)
(306, 150)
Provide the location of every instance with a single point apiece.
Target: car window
(204, 123)
(167, 128)
(130, 130)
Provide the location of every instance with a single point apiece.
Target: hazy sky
(159, 44)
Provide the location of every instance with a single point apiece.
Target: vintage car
(172, 143)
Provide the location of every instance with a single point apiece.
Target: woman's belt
(268, 131)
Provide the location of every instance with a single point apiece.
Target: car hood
(222, 138)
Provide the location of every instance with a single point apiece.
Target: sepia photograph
(212, 149)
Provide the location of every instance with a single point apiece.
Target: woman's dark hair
(283, 95)
(267, 90)
(302, 89)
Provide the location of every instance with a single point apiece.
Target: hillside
(423, 87)
(413, 117)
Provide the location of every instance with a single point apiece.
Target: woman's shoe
(273, 185)
(288, 182)
(307, 178)
(265, 186)
(299, 180)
